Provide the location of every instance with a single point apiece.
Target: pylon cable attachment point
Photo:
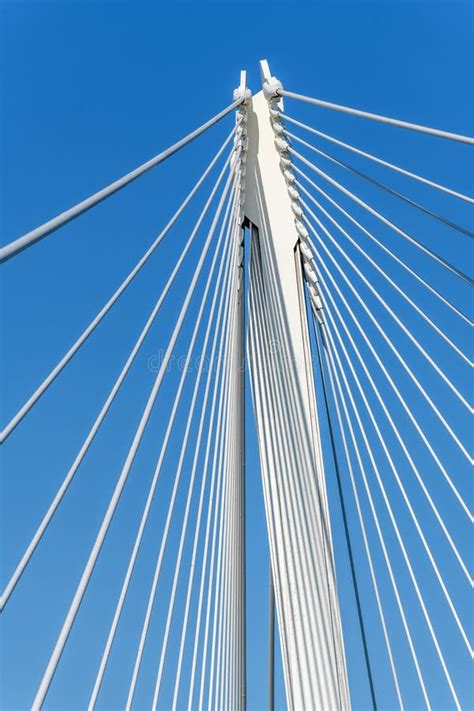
(278, 127)
(241, 141)
(293, 193)
(271, 86)
(281, 145)
(242, 92)
(302, 231)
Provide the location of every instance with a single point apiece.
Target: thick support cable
(106, 308)
(383, 247)
(376, 117)
(370, 156)
(95, 427)
(384, 274)
(450, 267)
(149, 501)
(318, 336)
(47, 228)
(382, 186)
(382, 332)
(392, 517)
(94, 554)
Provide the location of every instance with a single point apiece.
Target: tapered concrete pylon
(287, 422)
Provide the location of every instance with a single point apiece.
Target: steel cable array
(354, 294)
(386, 317)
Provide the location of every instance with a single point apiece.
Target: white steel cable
(219, 490)
(211, 584)
(93, 431)
(382, 403)
(152, 594)
(395, 525)
(94, 554)
(223, 579)
(106, 308)
(377, 117)
(370, 156)
(409, 506)
(382, 246)
(385, 337)
(214, 571)
(454, 270)
(394, 387)
(382, 186)
(47, 228)
(178, 561)
(365, 537)
(402, 293)
(212, 490)
(397, 320)
(217, 525)
(218, 595)
(184, 524)
(388, 563)
(148, 504)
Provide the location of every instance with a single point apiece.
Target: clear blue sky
(89, 90)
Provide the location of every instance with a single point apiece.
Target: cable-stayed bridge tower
(356, 338)
(287, 418)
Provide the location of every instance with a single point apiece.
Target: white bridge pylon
(383, 421)
(287, 422)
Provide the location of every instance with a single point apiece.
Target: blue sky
(89, 90)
